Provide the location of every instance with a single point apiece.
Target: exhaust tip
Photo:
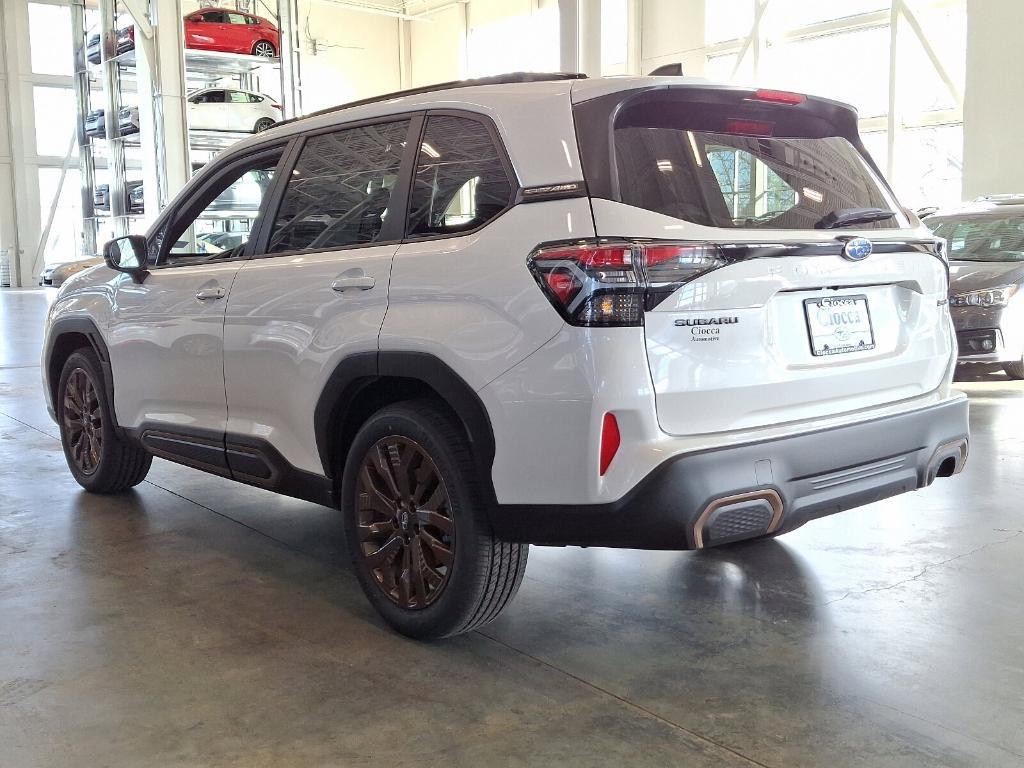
(948, 460)
(737, 517)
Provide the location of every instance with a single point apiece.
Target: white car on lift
(231, 109)
(217, 109)
(647, 312)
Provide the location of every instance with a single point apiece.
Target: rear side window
(718, 168)
(340, 189)
(460, 182)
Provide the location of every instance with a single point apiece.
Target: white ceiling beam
(940, 69)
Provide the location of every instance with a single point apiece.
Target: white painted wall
(483, 37)
(672, 31)
(438, 46)
(993, 99)
(357, 54)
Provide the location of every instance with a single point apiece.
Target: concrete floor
(197, 622)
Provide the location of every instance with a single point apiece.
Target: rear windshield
(730, 163)
(745, 182)
(981, 237)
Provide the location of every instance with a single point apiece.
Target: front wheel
(419, 540)
(264, 49)
(100, 460)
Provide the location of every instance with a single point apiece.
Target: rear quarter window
(460, 181)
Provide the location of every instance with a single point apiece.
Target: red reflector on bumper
(610, 440)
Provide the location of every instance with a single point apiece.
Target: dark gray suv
(986, 266)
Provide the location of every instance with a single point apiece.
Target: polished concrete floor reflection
(196, 622)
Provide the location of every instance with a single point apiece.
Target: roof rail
(511, 77)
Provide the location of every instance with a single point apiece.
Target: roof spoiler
(667, 70)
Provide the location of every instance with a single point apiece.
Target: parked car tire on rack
(422, 547)
(264, 48)
(100, 460)
(262, 124)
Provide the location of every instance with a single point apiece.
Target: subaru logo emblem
(857, 249)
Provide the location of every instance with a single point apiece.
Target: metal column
(86, 163)
(112, 104)
(287, 21)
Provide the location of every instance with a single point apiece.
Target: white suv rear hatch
(786, 323)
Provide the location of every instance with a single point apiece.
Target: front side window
(213, 17)
(339, 192)
(217, 226)
(210, 97)
(460, 181)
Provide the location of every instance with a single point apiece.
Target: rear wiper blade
(846, 217)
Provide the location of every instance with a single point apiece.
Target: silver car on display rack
(55, 275)
(986, 274)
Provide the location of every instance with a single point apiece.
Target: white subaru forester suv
(648, 312)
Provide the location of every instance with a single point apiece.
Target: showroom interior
(191, 620)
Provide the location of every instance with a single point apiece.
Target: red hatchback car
(221, 29)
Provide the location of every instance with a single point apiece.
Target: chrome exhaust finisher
(741, 516)
(948, 460)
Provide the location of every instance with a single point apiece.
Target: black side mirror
(127, 254)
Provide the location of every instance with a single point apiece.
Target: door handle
(353, 283)
(205, 294)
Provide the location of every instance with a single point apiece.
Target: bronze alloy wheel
(83, 421)
(404, 521)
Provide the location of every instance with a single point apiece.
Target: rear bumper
(715, 497)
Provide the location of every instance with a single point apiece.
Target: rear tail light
(612, 284)
(278, 107)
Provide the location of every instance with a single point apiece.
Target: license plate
(839, 324)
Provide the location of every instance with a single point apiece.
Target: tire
(262, 124)
(425, 454)
(264, 48)
(1015, 370)
(100, 460)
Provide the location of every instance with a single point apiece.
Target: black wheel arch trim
(357, 372)
(82, 326)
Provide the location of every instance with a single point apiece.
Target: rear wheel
(417, 534)
(100, 460)
(1015, 370)
(262, 124)
(265, 49)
